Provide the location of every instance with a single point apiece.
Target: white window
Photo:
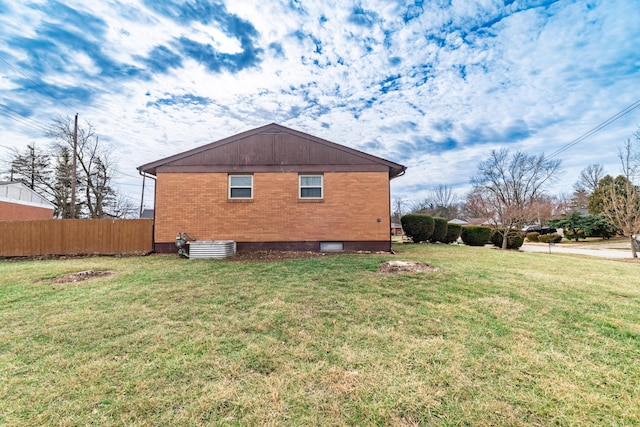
(310, 187)
(241, 186)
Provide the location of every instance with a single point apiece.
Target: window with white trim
(311, 186)
(241, 186)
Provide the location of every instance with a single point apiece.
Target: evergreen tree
(30, 168)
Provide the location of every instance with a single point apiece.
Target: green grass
(492, 338)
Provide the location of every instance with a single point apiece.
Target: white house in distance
(20, 203)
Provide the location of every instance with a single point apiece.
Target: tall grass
(492, 338)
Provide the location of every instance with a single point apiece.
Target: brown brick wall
(198, 204)
(17, 212)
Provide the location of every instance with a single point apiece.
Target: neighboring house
(396, 229)
(147, 213)
(480, 221)
(396, 225)
(458, 221)
(20, 203)
(274, 188)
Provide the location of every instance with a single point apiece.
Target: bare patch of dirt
(252, 256)
(81, 275)
(392, 267)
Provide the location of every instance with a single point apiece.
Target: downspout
(404, 169)
(144, 176)
(153, 228)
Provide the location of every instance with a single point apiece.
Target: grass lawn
(492, 338)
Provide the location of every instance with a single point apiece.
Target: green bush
(453, 232)
(546, 238)
(475, 235)
(576, 236)
(439, 230)
(515, 239)
(418, 227)
(534, 236)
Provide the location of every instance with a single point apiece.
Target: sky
(433, 85)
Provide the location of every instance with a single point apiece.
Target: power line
(14, 115)
(34, 82)
(596, 129)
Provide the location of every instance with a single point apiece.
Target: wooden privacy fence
(76, 236)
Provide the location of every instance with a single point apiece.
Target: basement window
(241, 186)
(310, 186)
(331, 246)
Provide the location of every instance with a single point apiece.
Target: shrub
(418, 227)
(576, 236)
(533, 236)
(555, 238)
(453, 232)
(439, 230)
(475, 235)
(515, 239)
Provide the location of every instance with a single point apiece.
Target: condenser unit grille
(217, 249)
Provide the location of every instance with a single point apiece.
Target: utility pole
(72, 210)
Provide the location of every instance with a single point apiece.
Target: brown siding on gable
(321, 155)
(197, 203)
(289, 150)
(272, 168)
(224, 155)
(256, 150)
(272, 149)
(271, 145)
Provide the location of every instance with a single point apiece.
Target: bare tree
(563, 203)
(444, 201)
(96, 166)
(511, 185)
(580, 199)
(398, 208)
(589, 178)
(47, 173)
(475, 204)
(59, 188)
(441, 201)
(122, 207)
(621, 198)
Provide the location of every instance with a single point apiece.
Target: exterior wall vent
(331, 246)
(216, 249)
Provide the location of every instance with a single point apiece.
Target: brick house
(274, 188)
(20, 203)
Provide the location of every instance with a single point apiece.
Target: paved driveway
(616, 250)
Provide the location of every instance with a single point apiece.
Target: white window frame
(240, 186)
(300, 186)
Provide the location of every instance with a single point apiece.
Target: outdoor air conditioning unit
(217, 249)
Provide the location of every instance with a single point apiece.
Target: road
(613, 250)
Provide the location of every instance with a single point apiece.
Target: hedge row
(453, 232)
(546, 238)
(418, 227)
(423, 228)
(475, 235)
(439, 230)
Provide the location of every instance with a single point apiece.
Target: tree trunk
(504, 238)
(634, 245)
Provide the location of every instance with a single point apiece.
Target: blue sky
(434, 85)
